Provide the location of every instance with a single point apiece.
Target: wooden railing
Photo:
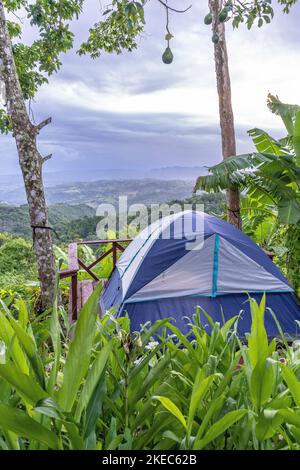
(81, 290)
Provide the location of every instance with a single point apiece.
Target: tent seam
(215, 266)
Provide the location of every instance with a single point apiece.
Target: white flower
(151, 345)
(2, 353)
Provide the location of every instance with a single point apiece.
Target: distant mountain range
(97, 185)
(141, 191)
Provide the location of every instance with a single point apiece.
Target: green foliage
(259, 222)
(271, 182)
(37, 61)
(16, 256)
(14, 29)
(250, 13)
(118, 31)
(256, 12)
(100, 386)
(27, 62)
(5, 124)
(292, 251)
(287, 4)
(15, 220)
(271, 175)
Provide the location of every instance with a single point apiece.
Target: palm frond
(287, 112)
(264, 143)
(268, 178)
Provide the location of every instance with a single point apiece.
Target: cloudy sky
(132, 111)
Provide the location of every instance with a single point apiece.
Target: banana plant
(260, 222)
(271, 175)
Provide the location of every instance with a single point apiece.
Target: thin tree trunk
(31, 161)
(225, 108)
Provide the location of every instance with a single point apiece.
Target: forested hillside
(78, 221)
(14, 219)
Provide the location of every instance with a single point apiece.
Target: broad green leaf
(200, 388)
(24, 426)
(54, 328)
(268, 424)
(112, 432)
(156, 373)
(163, 420)
(261, 383)
(296, 138)
(25, 385)
(93, 410)
(154, 329)
(146, 408)
(127, 445)
(257, 340)
(214, 407)
(11, 439)
(283, 400)
(22, 313)
(292, 382)
(289, 211)
(265, 143)
(290, 416)
(225, 330)
(76, 440)
(219, 428)
(287, 112)
(186, 343)
(296, 433)
(77, 362)
(29, 346)
(93, 378)
(171, 435)
(48, 407)
(172, 408)
(282, 336)
(115, 442)
(8, 335)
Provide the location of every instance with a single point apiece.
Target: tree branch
(43, 124)
(44, 159)
(174, 9)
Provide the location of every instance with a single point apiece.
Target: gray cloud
(81, 138)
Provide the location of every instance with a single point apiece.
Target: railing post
(74, 297)
(75, 262)
(114, 255)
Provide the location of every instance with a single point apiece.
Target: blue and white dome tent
(193, 259)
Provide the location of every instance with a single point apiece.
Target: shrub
(96, 385)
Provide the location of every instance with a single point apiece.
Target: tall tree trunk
(225, 108)
(25, 134)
